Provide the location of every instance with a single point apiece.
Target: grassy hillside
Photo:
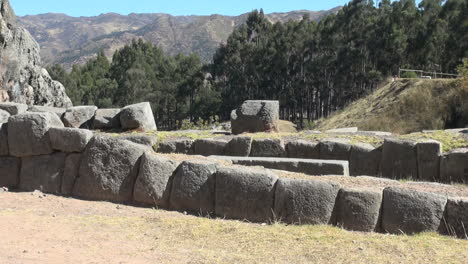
(406, 105)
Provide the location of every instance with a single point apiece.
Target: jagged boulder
(22, 79)
(138, 116)
(255, 116)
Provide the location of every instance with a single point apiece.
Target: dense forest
(312, 68)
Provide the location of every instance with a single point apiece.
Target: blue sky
(174, 7)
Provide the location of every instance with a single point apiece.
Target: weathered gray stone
(22, 77)
(255, 116)
(239, 146)
(193, 187)
(47, 109)
(305, 201)
(428, 153)
(4, 139)
(107, 119)
(209, 147)
(109, 167)
(343, 130)
(359, 209)
(307, 166)
(457, 217)
(303, 149)
(454, 166)
(335, 149)
(138, 116)
(4, 116)
(182, 146)
(147, 140)
(267, 148)
(14, 108)
(409, 211)
(243, 193)
(399, 160)
(28, 133)
(69, 139)
(43, 173)
(364, 159)
(154, 182)
(9, 172)
(79, 116)
(70, 173)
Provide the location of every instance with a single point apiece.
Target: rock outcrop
(22, 78)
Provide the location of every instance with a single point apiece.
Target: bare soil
(37, 228)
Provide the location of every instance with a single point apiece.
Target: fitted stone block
(9, 172)
(154, 182)
(399, 160)
(305, 201)
(69, 139)
(429, 153)
(245, 194)
(28, 133)
(43, 173)
(193, 188)
(302, 149)
(255, 116)
(268, 148)
(408, 211)
(364, 160)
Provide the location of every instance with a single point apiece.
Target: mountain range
(70, 40)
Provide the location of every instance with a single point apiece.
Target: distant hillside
(404, 106)
(69, 40)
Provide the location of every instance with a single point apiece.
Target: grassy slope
(402, 106)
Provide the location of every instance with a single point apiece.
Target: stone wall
(394, 159)
(40, 153)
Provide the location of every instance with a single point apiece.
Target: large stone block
(4, 151)
(69, 139)
(138, 116)
(359, 209)
(28, 133)
(454, 166)
(267, 148)
(305, 201)
(255, 116)
(335, 149)
(108, 169)
(307, 166)
(428, 153)
(79, 116)
(43, 173)
(14, 108)
(4, 116)
(364, 159)
(193, 187)
(9, 172)
(243, 193)
(239, 147)
(409, 211)
(209, 147)
(70, 173)
(147, 140)
(107, 119)
(182, 146)
(457, 217)
(303, 149)
(47, 109)
(399, 160)
(154, 182)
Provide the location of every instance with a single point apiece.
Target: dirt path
(51, 229)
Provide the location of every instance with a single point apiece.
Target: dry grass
(403, 106)
(58, 230)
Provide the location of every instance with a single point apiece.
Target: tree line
(312, 68)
